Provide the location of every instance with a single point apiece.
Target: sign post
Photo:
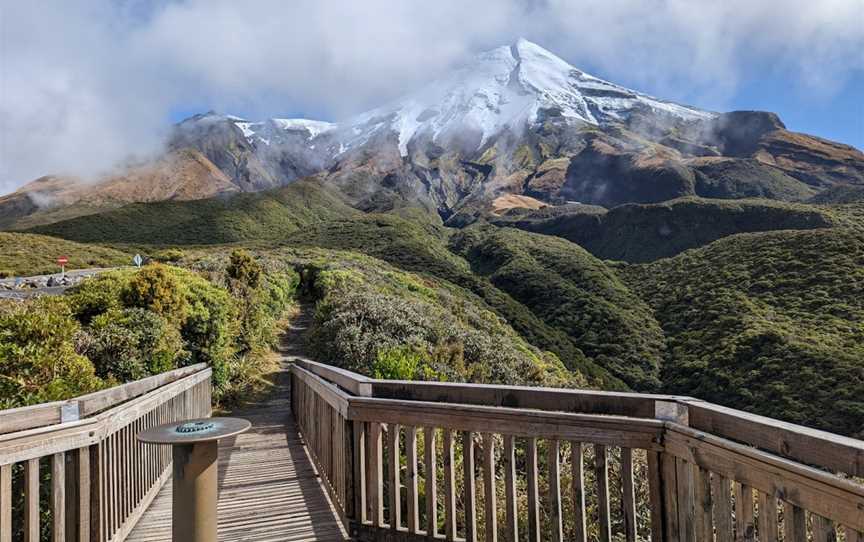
(62, 261)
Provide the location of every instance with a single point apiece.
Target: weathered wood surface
(46, 414)
(312, 480)
(269, 489)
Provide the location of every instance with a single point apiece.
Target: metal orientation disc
(192, 431)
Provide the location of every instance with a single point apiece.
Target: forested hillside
(769, 322)
(759, 306)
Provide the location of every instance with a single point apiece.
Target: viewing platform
(333, 455)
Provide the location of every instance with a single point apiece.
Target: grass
(24, 254)
(272, 215)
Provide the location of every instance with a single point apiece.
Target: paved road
(74, 276)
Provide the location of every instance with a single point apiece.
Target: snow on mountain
(313, 127)
(505, 88)
(508, 87)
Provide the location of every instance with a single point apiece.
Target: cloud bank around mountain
(86, 85)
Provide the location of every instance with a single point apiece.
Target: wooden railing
(73, 470)
(402, 461)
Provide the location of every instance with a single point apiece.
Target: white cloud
(84, 84)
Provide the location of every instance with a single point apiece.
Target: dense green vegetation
(575, 292)
(125, 325)
(374, 319)
(28, 254)
(270, 215)
(770, 322)
(422, 248)
(643, 233)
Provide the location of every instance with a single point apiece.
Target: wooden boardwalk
(268, 487)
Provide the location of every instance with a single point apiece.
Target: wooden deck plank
(268, 487)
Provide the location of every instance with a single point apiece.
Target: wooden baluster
(82, 471)
(490, 511)
(554, 496)
(577, 464)
(393, 476)
(469, 486)
(512, 532)
(703, 512)
(127, 481)
(655, 494)
(449, 485)
(823, 529)
(686, 501)
(745, 530)
(31, 500)
(115, 483)
(411, 459)
(58, 497)
(721, 488)
(669, 474)
(5, 503)
(628, 494)
(768, 518)
(533, 497)
(359, 436)
(139, 453)
(97, 492)
(430, 472)
(601, 473)
(794, 523)
(375, 469)
(105, 470)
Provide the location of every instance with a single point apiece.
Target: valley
(518, 221)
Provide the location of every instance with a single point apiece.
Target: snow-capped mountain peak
(508, 87)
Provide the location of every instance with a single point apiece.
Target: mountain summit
(507, 88)
(513, 126)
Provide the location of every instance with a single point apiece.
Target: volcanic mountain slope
(519, 120)
(647, 232)
(180, 175)
(516, 120)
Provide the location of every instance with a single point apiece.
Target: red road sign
(62, 260)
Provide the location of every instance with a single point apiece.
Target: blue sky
(86, 85)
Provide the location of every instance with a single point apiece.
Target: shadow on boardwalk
(268, 488)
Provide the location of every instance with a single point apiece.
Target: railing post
(97, 472)
(669, 518)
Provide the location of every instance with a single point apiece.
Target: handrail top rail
(48, 439)
(800, 443)
(18, 419)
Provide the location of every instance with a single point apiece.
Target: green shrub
(169, 255)
(98, 295)
(155, 288)
(130, 344)
(244, 269)
(375, 320)
(398, 363)
(38, 358)
(210, 329)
